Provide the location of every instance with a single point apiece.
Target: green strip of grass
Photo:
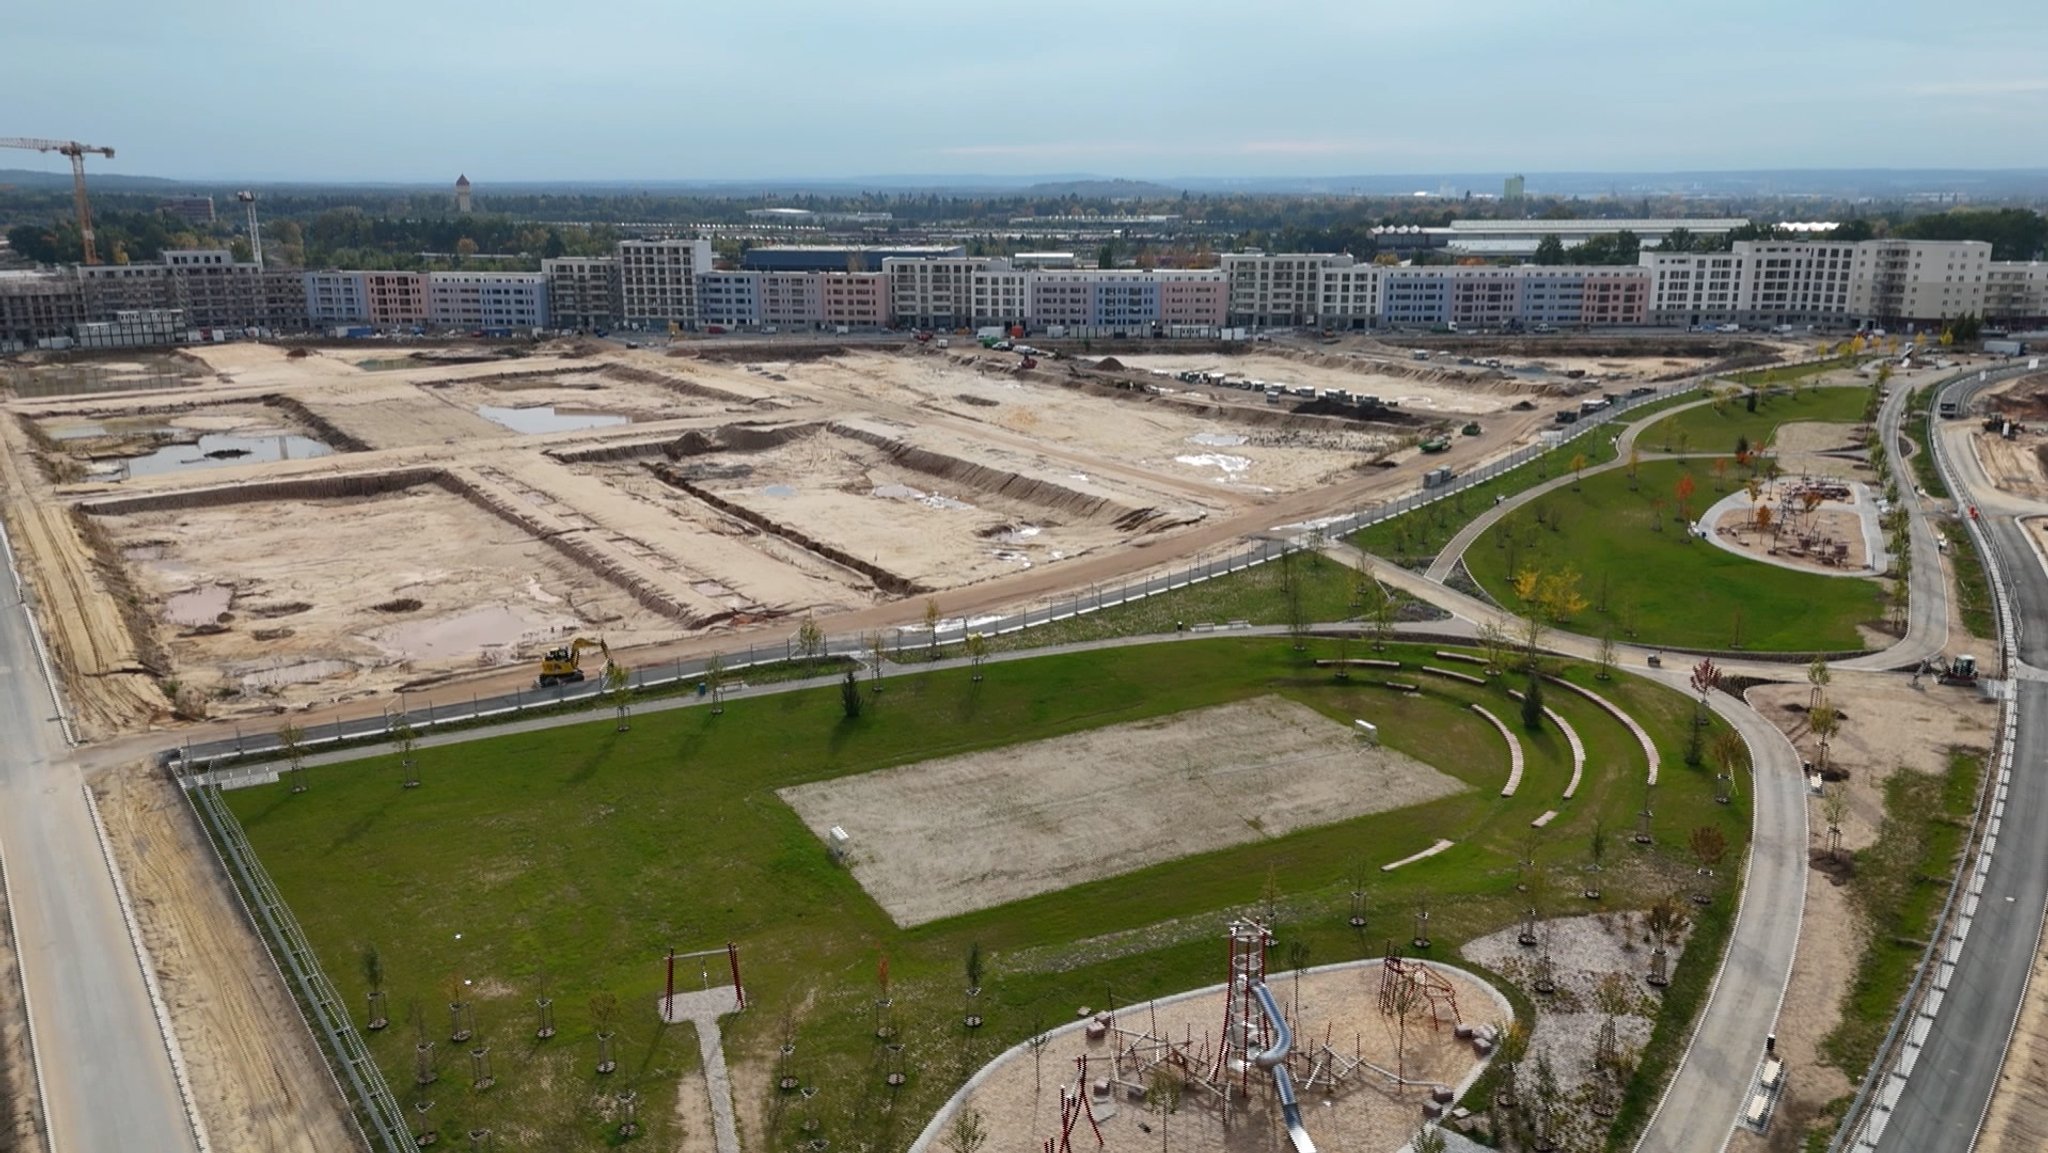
(588, 852)
(1787, 373)
(1413, 538)
(1666, 587)
(1720, 426)
(1972, 583)
(1899, 884)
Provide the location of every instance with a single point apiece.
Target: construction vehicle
(1435, 444)
(1960, 670)
(564, 666)
(77, 152)
(1027, 363)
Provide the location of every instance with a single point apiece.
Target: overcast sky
(654, 90)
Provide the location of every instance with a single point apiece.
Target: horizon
(777, 92)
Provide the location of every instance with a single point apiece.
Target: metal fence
(375, 1108)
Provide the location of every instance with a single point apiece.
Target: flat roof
(1636, 224)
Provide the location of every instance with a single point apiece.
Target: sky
(382, 90)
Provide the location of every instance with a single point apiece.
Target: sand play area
(943, 837)
(1337, 1005)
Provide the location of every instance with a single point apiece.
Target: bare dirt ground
(21, 1123)
(1819, 448)
(1434, 388)
(257, 1079)
(1887, 727)
(1019, 1096)
(1826, 527)
(341, 597)
(1048, 815)
(2015, 466)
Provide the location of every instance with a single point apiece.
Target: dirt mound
(399, 605)
(1110, 364)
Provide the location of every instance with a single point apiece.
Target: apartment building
(1002, 294)
(213, 290)
(790, 300)
(730, 299)
(396, 299)
(1278, 289)
(1348, 296)
(334, 298)
(1192, 299)
(487, 301)
(2016, 292)
(1823, 282)
(1523, 296)
(583, 291)
(854, 299)
(934, 292)
(658, 281)
(839, 257)
(111, 288)
(38, 306)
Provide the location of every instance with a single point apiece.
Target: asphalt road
(106, 1078)
(1944, 1100)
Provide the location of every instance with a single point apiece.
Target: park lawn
(1717, 427)
(1787, 373)
(1668, 588)
(1413, 538)
(587, 852)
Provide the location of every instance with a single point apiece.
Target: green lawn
(1787, 373)
(586, 853)
(1664, 587)
(1717, 427)
(1416, 536)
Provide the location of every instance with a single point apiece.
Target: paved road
(1946, 1097)
(106, 1078)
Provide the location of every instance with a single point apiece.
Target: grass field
(1665, 587)
(586, 853)
(1787, 373)
(1415, 537)
(1717, 427)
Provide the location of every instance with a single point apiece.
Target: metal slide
(1275, 1060)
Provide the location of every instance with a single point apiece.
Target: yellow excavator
(564, 666)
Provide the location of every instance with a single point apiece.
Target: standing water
(548, 418)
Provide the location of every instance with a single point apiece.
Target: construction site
(234, 529)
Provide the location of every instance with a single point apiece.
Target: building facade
(658, 281)
(1823, 282)
(396, 299)
(336, 298)
(2016, 292)
(1277, 289)
(583, 292)
(854, 299)
(488, 301)
(36, 306)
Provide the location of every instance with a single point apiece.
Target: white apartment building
(1002, 294)
(1348, 296)
(658, 281)
(1770, 282)
(933, 292)
(1277, 289)
(583, 291)
(2016, 292)
(487, 300)
(334, 298)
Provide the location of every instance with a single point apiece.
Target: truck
(2005, 348)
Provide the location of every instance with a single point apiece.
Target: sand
(1439, 387)
(256, 1076)
(939, 838)
(1018, 1097)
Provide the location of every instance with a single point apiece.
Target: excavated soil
(949, 836)
(256, 1077)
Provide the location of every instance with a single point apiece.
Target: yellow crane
(77, 152)
(564, 666)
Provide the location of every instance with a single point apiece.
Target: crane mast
(77, 152)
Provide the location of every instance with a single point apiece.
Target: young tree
(1164, 1087)
(1825, 721)
(1532, 703)
(810, 641)
(1493, 641)
(1709, 845)
(1706, 677)
(1606, 654)
(850, 700)
(1683, 491)
(1428, 1139)
(1596, 855)
(373, 979)
(1835, 806)
(878, 651)
(616, 679)
(1817, 678)
(292, 740)
(1578, 466)
(1382, 622)
(931, 627)
(1656, 514)
(968, 1133)
(714, 682)
(1293, 599)
(1635, 461)
(977, 652)
(406, 741)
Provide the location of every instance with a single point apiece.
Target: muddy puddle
(217, 449)
(87, 379)
(200, 606)
(549, 418)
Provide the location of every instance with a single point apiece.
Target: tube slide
(1274, 1059)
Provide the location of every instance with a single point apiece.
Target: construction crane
(248, 200)
(76, 152)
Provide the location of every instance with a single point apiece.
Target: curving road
(1943, 1102)
(106, 1079)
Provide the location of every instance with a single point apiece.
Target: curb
(35, 636)
(28, 1016)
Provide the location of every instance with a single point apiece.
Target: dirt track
(258, 1081)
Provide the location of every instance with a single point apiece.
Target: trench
(885, 580)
